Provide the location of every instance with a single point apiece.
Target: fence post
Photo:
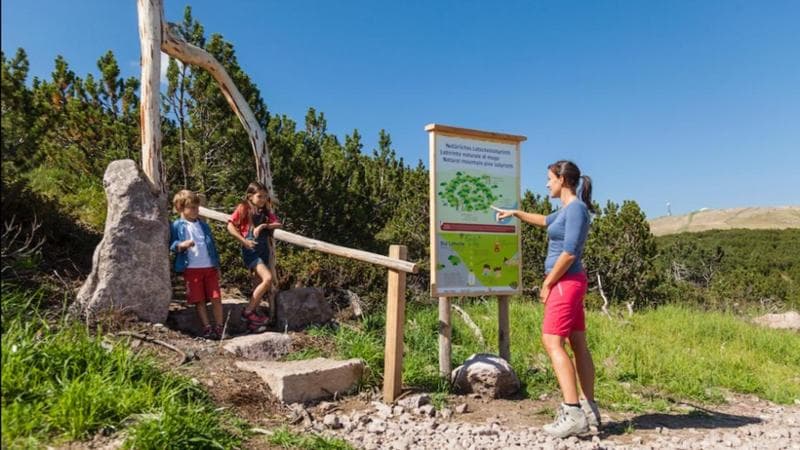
(445, 332)
(503, 328)
(395, 321)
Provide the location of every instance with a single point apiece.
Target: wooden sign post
(472, 254)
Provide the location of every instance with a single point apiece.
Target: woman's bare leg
(562, 365)
(584, 365)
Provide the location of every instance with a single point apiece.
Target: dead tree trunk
(150, 111)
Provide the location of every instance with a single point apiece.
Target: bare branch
(603, 294)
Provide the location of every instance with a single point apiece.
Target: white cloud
(164, 65)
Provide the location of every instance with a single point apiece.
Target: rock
(487, 375)
(446, 413)
(299, 308)
(398, 411)
(300, 413)
(377, 427)
(462, 408)
(312, 379)
(332, 422)
(130, 266)
(383, 410)
(414, 401)
(427, 410)
(325, 407)
(785, 321)
(261, 346)
(184, 318)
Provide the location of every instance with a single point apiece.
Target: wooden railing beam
(325, 247)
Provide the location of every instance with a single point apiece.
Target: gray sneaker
(570, 421)
(592, 413)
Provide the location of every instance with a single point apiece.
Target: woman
(562, 293)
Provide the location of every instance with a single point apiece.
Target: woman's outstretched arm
(530, 218)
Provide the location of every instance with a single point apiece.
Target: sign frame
(434, 132)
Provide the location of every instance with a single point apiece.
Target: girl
(562, 293)
(251, 224)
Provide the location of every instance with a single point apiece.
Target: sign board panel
(471, 252)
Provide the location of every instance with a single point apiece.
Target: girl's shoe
(255, 323)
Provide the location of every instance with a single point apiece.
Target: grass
(646, 362)
(285, 438)
(60, 384)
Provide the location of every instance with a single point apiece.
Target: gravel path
(746, 423)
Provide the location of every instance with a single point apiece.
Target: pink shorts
(563, 311)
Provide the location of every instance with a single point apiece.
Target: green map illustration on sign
(468, 193)
(497, 268)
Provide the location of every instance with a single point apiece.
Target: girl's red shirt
(241, 219)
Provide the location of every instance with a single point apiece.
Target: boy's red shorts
(563, 311)
(202, 284)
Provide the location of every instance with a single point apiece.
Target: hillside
(780, 217)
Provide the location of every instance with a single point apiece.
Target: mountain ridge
(756, 218)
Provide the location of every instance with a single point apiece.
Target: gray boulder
(485, 374)
(786, 321)
(130, 267)
(299, 308)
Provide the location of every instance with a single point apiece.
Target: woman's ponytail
(579, 185)
(586, 193)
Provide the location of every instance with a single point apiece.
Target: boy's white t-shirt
(198, 253)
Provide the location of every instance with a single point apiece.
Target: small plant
(629, 428)
(20, 250)
(287, 439)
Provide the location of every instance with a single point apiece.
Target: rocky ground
(745, 422)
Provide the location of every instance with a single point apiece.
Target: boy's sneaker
(592, 412)
(255, 323)
(219, 331)
(570, 421)
(208, 333)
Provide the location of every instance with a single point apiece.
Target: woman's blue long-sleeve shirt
(567, 229)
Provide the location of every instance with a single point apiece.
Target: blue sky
(692, 102)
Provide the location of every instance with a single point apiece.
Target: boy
(197, 259)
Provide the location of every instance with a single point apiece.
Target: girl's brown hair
(245, 207)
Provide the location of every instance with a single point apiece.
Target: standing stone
(299, 308)
(487, 375)
(130, 266)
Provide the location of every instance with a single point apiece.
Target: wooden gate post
(445, 332)
(395, 321)
(503, 328)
